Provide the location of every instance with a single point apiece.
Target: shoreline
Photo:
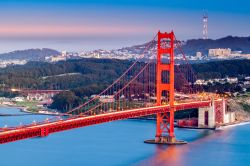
(22, 109)
(25, 110)
(230, 125)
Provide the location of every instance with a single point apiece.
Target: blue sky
(115, 23)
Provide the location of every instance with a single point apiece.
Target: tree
(65, 101)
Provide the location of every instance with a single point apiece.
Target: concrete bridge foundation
(214, 115)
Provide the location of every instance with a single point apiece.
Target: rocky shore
(241, 107)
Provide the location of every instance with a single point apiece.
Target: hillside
(221, 69)
(85, 77)
(29, 54)
(241, 106)
(235, 43)
(190, 47)
(63, 75)
(85, 72)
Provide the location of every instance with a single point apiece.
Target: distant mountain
(140, 48)
(235, 43)
(190, 47)
(29, 54)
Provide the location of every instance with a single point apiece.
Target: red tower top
(166, 50)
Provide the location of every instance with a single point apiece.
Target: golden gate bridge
(157, 87)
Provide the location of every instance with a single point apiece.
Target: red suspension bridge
(157, 87)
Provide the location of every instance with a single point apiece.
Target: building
(63, 57)
(198, 55)
(232, 80)
(247, 56)
(219, 52)
(18, 99)
(57, 58)
(40, 95)
(107, 98)
(5, 63)
(200, 82)
(64, 54)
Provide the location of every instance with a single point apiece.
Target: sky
(78, 25)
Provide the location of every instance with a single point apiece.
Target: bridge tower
(165, 121)
(165, 90)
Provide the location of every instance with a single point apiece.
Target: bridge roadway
(44, 129)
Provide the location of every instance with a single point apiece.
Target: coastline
(230, 125)
(25, 110)
(22, 109)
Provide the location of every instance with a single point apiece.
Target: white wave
(232, 125)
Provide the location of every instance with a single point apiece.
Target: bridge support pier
(206, 117)
(165, 130)
(165, 127)
(210, 117)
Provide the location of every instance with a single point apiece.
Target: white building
(4, 63)
(232, 80)
(107, 98)
(64, 53)
(57, 58)
(219, 52)
(247, 56)
(198, 55)
(18, 99)
(200, 82)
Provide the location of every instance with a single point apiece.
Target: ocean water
(121, 143)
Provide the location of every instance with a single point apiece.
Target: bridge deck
(41, 130)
